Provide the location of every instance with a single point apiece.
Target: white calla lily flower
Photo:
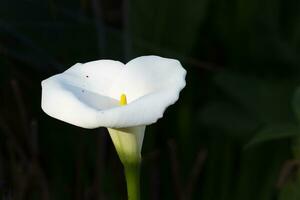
(122, 97)
(87, 95)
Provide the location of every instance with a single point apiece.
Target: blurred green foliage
(234, 134)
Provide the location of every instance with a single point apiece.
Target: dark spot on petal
(82, 90)
(87, 76)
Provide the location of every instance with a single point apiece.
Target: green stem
(296, 152)
(132, 174)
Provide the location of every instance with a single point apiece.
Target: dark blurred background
(233, 135)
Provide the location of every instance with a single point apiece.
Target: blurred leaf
(268, 100)
(18, 46)
(274, 132)
(258, 171)
(290, 191)
(228, 117)
(296, 103)
(169, 24)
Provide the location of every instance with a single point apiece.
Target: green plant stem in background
(290, 188)
(296, 147)
(296, 152)
(132, 174)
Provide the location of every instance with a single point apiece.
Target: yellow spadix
(123, 100)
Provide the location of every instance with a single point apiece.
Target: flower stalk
(132, 174)
(128, 143)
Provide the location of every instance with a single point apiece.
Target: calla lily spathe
(87, 95)
(122, 97)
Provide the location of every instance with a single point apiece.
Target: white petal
(87, 95)
(76, 95)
